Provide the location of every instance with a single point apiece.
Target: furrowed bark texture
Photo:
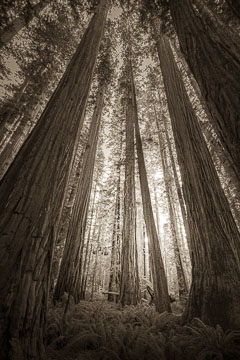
(76, 229)
(178, 187)
(215, 291)
(160, 286)
(32, 194)
(216, 146)
(129, 284)
(28, 13)
(213, 56)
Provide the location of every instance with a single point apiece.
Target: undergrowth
(101, 331)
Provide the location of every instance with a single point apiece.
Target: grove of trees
(119, 179)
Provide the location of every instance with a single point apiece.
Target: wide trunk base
(215, 300)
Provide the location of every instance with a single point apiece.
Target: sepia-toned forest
(120, 180)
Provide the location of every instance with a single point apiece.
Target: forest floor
(100, 330)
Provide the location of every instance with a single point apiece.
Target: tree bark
(76, 229)
(161, 297)
(97, 216)
(96, 260)
(178, 187)
(32, 195)
(208, 130)
(156, 207)
(84, 268)
(212, 54)
(129, 283)
(114, 271)
(215, 291)
(182, 284)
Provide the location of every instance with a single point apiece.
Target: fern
(100, 331)
(202, 342)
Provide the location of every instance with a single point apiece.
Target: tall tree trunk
(182, 284)
(65, 217)
(212, 54)
(113, 279)
(76, 229)
(129, 284)
(85, 278)
(28, 13)
(97, 216)
(215, 291)
(94, 273)
(86, 256)
(208, 130)
(156, 207)
(185, 256)
(161, 297)
(178, 187)
(115, 255)
(32, 194)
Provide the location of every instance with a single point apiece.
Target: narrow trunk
(74, 242)
(215, 291)
(185, 256)
(83, 274)
(32, 195)
(161, 298)
(28, 13)
(182, 284)
(94, 273)
(129, 286)
(86, 274)
(65, 218)
(115, 258)
(212, 53)
(156, 208)
(113, 279)
(178, 187)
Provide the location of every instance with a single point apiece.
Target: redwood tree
(213, 55)
(160, 286)
(182, 283)
(32, 194)
(70, 265)
(129, 283)
(215, 291)
(113, 285)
